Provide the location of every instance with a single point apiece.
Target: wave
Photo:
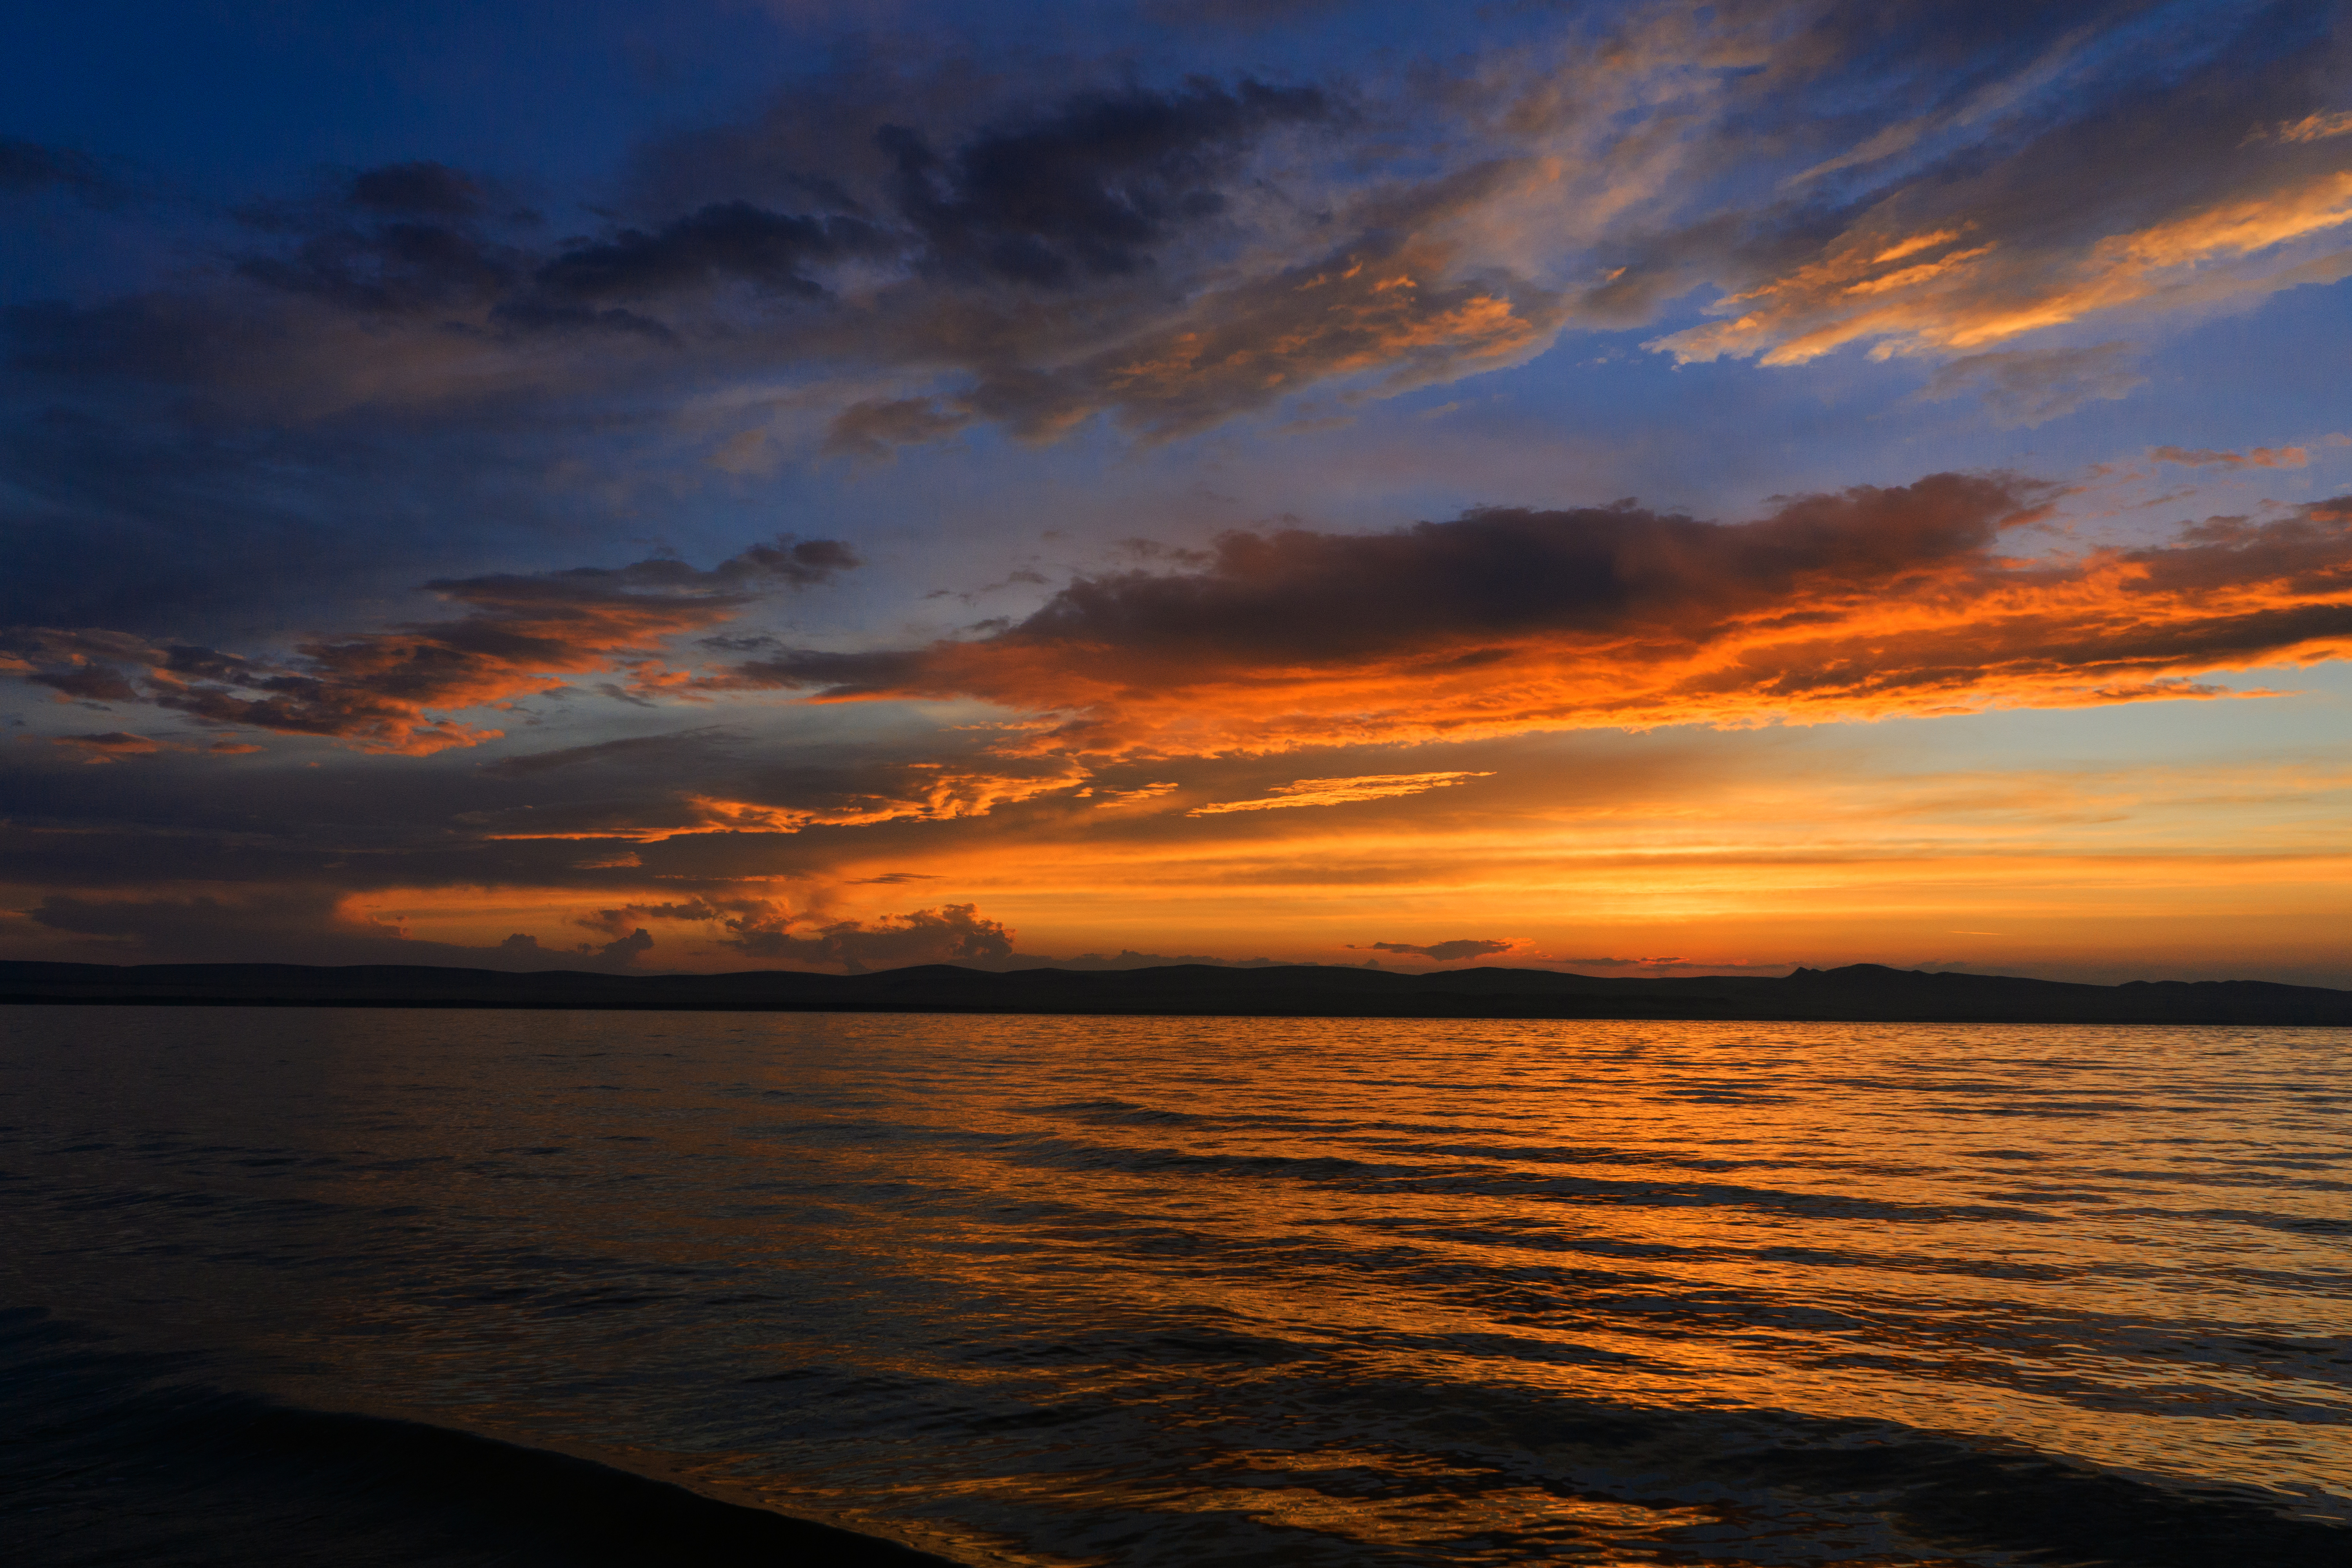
(115, 1457)
(1155, 1296)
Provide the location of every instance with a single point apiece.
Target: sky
(1632, 488)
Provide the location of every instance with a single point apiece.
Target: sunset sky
(1632, 489)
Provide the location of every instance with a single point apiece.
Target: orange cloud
(911, 792)
(116, 744)
(392, 692)
(2258, 457)
(1398, 312)
(937, 795)
(110, 747)
(1142, 795)
(1861, 604)
(1338, 791)
(1961, 286)
(2313, 128)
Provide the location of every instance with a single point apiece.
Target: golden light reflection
(1612, 1215)
(1508, 1290)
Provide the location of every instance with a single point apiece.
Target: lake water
(1172, 1291)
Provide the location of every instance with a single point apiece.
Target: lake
(316, 1285)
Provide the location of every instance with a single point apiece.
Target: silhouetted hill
(1862, 992)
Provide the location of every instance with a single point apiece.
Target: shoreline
(914, 1009)
(1859, 994)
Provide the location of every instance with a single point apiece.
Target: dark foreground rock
(1859, 993)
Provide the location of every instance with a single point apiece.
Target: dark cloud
(401, 377)
(873, 426)
(623, 922)
(420, 189)
(1089, 189)
(1384, 308)
(391, 267)
(399, 239)
(1299, 597)
(622, 837)
(315, 925)
(407, 285)
(1867, 602)
(1090, 194)
(86, 665)
(725, 242)
(625, 950)
(1441, 952)
(954, 934)
(283, 925)
(656, 748)
(391, 691)
(1249, 15)
(1084, 190)
(34, 166)
(183, 815)
(1934, 179)
(113, 745)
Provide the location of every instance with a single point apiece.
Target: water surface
(1161, 1291)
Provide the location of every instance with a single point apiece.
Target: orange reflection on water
(1036, 1290)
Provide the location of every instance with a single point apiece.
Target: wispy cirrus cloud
(1957, 288)
(1981, 216)
(2316, 127)
(2032, 386)
(113, 745)
(793, 801)
(1338, 791)
(2253, 458)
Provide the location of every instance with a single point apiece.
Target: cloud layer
(1943, 182)
(1862, 603)
(391, 691)
(294, 457)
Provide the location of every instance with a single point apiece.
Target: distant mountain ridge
(1856, 992)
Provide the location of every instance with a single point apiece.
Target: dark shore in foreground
(1863, 993)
